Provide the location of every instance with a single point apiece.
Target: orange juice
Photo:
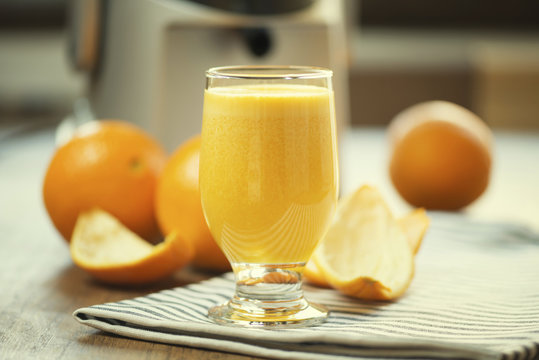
(268, 170)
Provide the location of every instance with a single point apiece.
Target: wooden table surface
(40, 287)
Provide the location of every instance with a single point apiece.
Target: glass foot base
(311, 314)
(268, 296)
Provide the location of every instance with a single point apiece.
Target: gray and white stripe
(475, 296)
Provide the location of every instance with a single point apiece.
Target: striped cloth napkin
(475, 296)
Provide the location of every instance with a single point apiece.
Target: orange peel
(366, 252)
(112, 253)
(415, 225)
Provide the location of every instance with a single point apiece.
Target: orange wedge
(366, 253)
(314, 276)
(415, 226)
(106, 249)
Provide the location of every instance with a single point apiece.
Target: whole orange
(179, 207)
(112, 165)
(441, 155)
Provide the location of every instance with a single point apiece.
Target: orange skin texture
(112, 165)
(179, 207)
(368, 289)
(439, 165)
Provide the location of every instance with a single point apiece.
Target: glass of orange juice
(269, 183)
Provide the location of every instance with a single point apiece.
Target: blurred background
(65, 62)
(485, 58)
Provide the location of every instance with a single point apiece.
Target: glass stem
(268, 295)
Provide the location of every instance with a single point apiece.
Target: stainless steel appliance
(146, 58)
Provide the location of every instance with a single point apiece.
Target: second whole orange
(441, 155)
(178, 206)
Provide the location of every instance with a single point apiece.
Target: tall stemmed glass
(269, 183)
